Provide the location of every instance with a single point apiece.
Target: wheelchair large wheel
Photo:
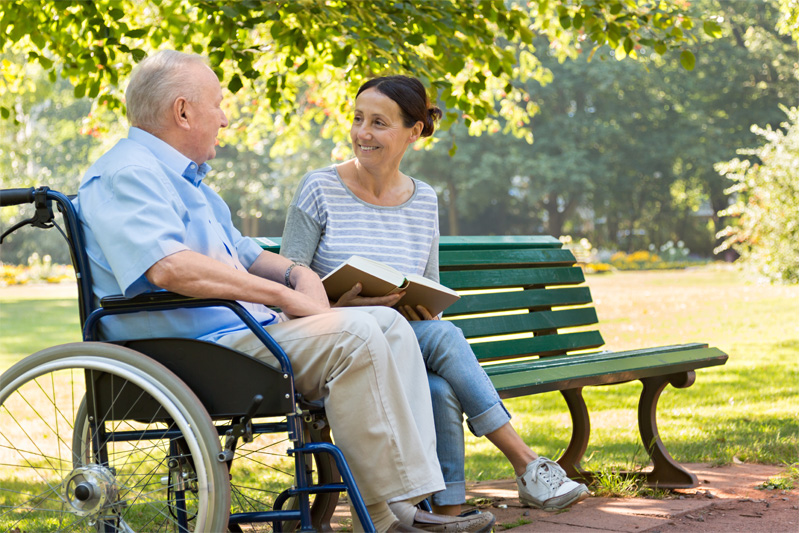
(146, 460)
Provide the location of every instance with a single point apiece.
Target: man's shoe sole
(454, 526)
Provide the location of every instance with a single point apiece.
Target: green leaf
(5, 112)
(230, 12)
(80, 90)
(627, 45)
(660, 48)
(235, 84)
(276, 29)
(712, 29)
(94, 90)
(415, 39)
(687, 60)
(136, 34)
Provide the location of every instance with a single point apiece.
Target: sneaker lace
(550, 472)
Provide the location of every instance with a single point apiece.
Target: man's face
(205, 115)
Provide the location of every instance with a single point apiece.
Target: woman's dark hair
(409, 94)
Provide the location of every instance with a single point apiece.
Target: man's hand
(307, 282)
(352, 298)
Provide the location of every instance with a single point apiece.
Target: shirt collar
(172, 158)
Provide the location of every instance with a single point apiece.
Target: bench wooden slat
(539, 321)
(505, 242)
(512, 277)
(569, 372)
(543, 345)
(529, 299)
(462, 259)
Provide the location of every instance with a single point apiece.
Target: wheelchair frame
(162, 389)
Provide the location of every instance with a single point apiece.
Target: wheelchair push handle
(16, 196)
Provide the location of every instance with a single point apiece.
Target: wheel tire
(49, 481)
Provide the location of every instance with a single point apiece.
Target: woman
(367, 206)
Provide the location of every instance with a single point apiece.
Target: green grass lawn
(746, 410)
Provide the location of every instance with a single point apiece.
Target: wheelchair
(166, 434)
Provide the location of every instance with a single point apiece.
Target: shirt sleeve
(136, 219)
(432, 266)
(301, 235)
(247, 250)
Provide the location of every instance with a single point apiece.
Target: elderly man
(151, 223)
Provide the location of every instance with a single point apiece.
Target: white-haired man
(151, 223)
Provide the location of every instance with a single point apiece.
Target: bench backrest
(528, 301)
(520, 296)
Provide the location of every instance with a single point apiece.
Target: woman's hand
(352, 298)
(420, 313)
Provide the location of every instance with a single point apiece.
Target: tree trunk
(452, 207)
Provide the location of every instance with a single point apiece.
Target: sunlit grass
(747, 409)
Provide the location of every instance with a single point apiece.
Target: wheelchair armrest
(148, 298)
(164, 301)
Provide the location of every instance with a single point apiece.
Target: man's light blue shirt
(140, 202)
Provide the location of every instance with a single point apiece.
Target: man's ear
(180, 113)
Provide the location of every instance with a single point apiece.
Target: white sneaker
(545, 485)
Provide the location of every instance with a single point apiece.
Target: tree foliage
(766, 205)
(300, 60)
(624, 152)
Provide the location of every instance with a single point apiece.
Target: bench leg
(570, 461)
(324, 504)
(666, 473)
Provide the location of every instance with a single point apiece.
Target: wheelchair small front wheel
(98, 437)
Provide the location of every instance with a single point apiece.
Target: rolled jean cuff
(455, 493)
(493, 418)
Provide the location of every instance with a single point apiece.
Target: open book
(379, 279)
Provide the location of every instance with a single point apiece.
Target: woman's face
(378, 133)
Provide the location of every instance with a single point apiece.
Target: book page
(435, 297)
(376, 278)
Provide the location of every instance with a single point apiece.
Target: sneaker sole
(572, 499)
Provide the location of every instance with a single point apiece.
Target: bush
(765, 192)
(39, 270)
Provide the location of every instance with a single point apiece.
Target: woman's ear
(416, 131)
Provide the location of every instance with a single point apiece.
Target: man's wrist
(287, 276)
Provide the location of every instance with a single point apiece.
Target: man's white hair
(155, 84)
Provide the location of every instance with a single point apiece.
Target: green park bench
(538, 333)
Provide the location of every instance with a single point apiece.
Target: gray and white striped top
(327, 224)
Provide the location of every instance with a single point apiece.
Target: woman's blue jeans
(458, 385)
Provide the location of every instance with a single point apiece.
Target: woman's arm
(301, 235)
